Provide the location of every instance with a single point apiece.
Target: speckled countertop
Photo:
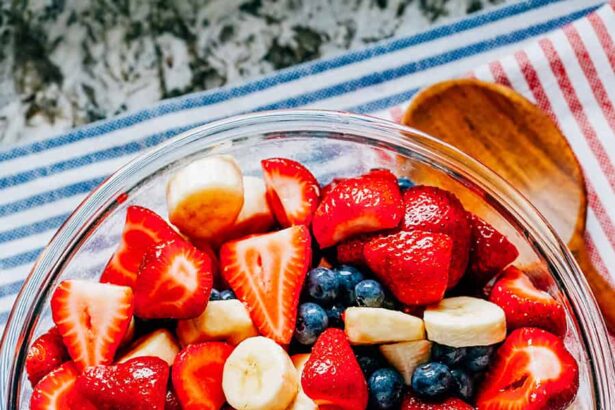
(64, 63)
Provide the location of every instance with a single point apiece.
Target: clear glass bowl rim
(82, 221)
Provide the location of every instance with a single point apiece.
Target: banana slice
(255, 215)
(205, 197)
(226, 320)
(364, 325)
(259, 375)
(465, 321)
(407, 356)
(159, 343)
(302, 401)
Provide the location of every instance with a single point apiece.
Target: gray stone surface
(64, 63)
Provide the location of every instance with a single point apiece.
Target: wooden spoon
(521, 143)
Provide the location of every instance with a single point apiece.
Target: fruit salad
(276, 292)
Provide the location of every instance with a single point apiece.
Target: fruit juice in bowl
(303, 259)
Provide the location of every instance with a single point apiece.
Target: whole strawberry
(138, 384)
(435, 210)
(413, 265)
(332, 376)
(46, 353)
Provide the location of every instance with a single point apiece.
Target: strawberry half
(532, 371)
(525, 305)
(142, 229)
(359, 205)
(413, 265)
(92, 319)
(266, 272)
(332, 376)
(138, 384)
(452, 403)
(197, 375)
(54, 391)
(490, 251)
(45, 354)
(292, 191)
(174, 281)
(435, 210)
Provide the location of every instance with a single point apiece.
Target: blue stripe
(18, 260)
(4, 317)
(317, 95)
(283, 76)
(46, 197)
(33, 229)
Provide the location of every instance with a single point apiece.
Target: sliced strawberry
(92, 319)
(138, 384)
(452, 403)
(46, 353)
(490, 251)
(267, 272)
(413, 265)
(332, 376)
(292, 191)
(525, 305)
(54, 391)
(436, 210)
(350, 251)
(197, 375)
(532, 371)
(142, 229)
(171, 401)
(359, 205)
(174, 281)
(324, 191)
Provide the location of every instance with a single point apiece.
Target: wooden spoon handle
(603, 291)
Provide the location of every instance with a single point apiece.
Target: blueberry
(311, 322)
(214, 295)
(322, 285)
(450, 356)
(432, 380)
(334, 314)
(404, 183)
(368, 293)
(227, 295)
(477, 358)
(369, 360)
(386, 387)
(348, 277)
(464, 384)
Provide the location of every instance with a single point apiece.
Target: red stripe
(531, 77)
(497, 70)
(588, 67)
(603, 37)
(595, 257)
(570, 95)
(605, 221)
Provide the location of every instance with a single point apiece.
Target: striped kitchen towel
(570, 73)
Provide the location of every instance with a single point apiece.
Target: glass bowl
(331, 144)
